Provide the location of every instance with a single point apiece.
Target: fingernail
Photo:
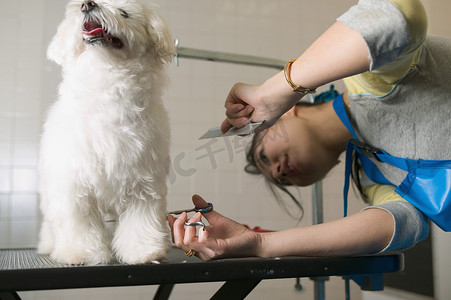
(239, 107)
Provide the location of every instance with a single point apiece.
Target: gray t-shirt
(411, 121)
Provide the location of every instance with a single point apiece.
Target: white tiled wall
(28, 83)
(21, 89)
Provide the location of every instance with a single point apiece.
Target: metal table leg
(9, 296)
(318, 218)
(235, 289)
(372, 282)
(319, 287)
(163, 292)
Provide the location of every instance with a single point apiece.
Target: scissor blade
(246, 130)
(178, 212)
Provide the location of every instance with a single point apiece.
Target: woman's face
(290, 154)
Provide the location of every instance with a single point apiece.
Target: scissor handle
(205, 209)
(196, 224)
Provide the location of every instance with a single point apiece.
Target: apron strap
(363, 152)
(339, 107)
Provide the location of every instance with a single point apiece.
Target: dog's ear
(66, 44)
(161, 35)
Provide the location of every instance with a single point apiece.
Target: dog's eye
(123, 13)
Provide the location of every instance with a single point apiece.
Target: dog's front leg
(79, 232)
(142, 234)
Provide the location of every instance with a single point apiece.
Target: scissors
(205, 209)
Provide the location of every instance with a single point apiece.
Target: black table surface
(24, 270)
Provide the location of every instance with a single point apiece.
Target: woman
(397, 101)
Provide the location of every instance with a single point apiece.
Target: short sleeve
(394, 31)
(382, 26)
(411, 225)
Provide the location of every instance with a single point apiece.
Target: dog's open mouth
(93, 32)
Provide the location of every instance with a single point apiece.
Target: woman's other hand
(222, 238)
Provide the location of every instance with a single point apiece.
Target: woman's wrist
(277, 95)
(261, 247)
(295, 87)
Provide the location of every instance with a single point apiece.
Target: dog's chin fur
(105, 146)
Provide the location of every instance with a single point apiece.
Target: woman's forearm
(368, 231)
(338, 53)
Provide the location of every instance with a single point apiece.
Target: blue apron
(427, 185)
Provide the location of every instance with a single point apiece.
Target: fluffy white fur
(105, 146)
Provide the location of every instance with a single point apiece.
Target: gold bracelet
(295, 87)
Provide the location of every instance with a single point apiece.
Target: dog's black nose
(87, 6)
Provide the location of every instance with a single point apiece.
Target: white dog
(105, 146)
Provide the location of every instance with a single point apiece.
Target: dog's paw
(143, 257)
(72, 256)
(140, 251)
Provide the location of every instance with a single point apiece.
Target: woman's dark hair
(274, 186)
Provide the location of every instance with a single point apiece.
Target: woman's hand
(245, 100)
(222, 238)
(239, 105)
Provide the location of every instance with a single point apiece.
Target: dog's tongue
(92, 28)
(97, 31)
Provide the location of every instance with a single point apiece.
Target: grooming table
(25, 270)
